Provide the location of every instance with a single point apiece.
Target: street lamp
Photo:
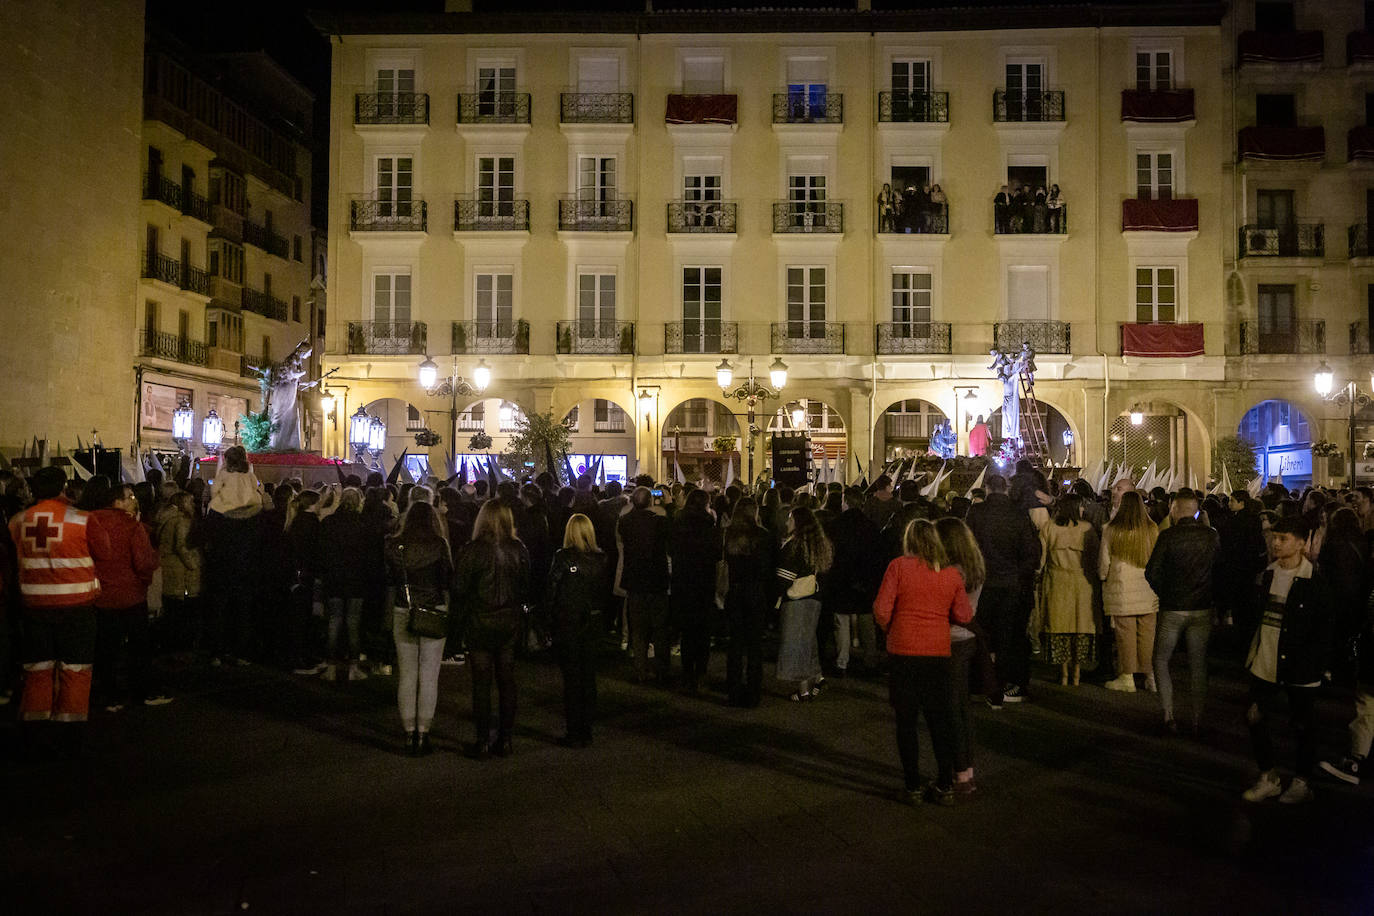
(453, 386)
(751, 393)
(1348, 396)
(360, 432)
(212, 432)
(798, 417)
(376, 435)
(1137, 416)
(183, 420)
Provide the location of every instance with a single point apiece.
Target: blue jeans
(1195, 627)
(349, 612)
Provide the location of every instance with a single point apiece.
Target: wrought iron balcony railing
(908, 107)
(930, 219)
(808, 216)
(194, 280)
(1298, 336)
(1011, 105)
(261, 237)
(807, 337)
(158, 266)
(593, 336)
(1296, 240)
(1043, 336)
(808, 108)
(481, 107)
(1360, 339)
(1358, 238)
(370, 215)
(701, 216)
(391, 108)
(613, 215)
(162, 189)
(387, 338)
(896, 338)
(170, 346)
(698, 335)
(264, 304)
(596, 107)
(1030, 219)
(473, 214)
(484, 336)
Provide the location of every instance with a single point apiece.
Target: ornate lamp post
(212, 433)
(360, 433)
(453, 387)
(1348, 396)
(751, 393)
(183, 421)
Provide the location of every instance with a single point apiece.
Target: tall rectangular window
(391, 303)
(701, 309)
(1154, 71)
(496, 90)
(596, 186)
(911, 87)
(806, 88)
(395, 86)
(703, 76)
(395, 186)
(494, 305)
(1154, 176)
(596, 305)
(911, 313)
(1025, 90)
(495, 186)
(1156, 294)
(806, 296)
(806, 201)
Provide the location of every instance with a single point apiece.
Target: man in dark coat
(643, 536)
(855, 574)
(694, 548)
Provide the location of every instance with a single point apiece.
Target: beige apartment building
(602, 209)
(227, 259)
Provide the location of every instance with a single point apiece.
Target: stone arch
(689, 431)
(603, 426)
(1171, 434)
(825, 427)
(403, 420)
(904, 426)
(1281, 432)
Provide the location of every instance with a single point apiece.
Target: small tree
(1236, 457)
(256, 429)
(536, 436)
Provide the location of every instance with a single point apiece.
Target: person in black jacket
(1288, 654)
(341, 555)
(1345, 563)
(643, 536)
(576, 598)
(855, 574)
(749, 556)
(694, 550)
(1181, 571)
(1011, 550)
(419, 569)
(1240, 559)
(492, 583)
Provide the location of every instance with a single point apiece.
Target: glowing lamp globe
(183, 419)
(1324, 379)
(725, 374)
(481, 375)
(777, 373)
(429, 373)
(359, 429)
(212, 431)
(376, 439)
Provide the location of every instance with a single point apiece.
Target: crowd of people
(1020, 210)
(109, 587)
(912, 207)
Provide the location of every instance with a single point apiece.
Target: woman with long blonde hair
(579, 591)
(1127, 599)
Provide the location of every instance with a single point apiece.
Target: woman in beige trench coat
(1070, 550)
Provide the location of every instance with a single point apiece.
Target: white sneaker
(1267, 786)
(1125, 683)
(356, 674)
(384, 670)
(1297, 792)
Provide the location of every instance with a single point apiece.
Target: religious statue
(944, 441)
(1009, 369)
(281, 387)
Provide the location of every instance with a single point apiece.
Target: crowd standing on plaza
(109, 588)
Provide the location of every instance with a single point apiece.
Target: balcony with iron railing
(797, 216)
(1357, 238)
(485, 336)
(386, 338)
(1043, 336)
(592, 336)
(912, 338)
(808, 108)
(913, 107)
(1300, 239)
(1361, 341)
(1013, 106)
(226, 293)
(615, 214)
(161, 189)
(194, 280)
(1298, 336)
(1030, 218)
(157, 266)
(170, 346)
(925, 218)
(472, 213)
(694, 216)
(262, 237)
(487, 107)
(391, 108)
(698, 335)
(807, 337)
(371, 215)
(264, 304)
(596, 107)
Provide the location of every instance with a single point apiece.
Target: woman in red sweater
(921, 596)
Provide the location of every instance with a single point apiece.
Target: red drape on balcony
(1359, 143)
(1283, 144)
(702, 109)
(1281, 47)
(1157, 107)
(1162, 339)
(1178, 215)
(1359, 48)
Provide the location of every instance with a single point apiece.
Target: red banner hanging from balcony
(1359, 48)
(1161, 339)
(1157, 107)
(1179, 215)
(1283, 144)
(702, 109)
(1359, 143)
(1304, 47)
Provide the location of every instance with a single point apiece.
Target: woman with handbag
(806, 555)
(420, 567)
(578, 588)
(493, 582)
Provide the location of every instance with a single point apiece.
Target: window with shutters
(1156, 294)
(701, 309)
(911, 312)
(806, 300)
(494, 304)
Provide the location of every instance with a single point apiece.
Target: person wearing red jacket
(125, 561)
(57, 588)
(921, 595)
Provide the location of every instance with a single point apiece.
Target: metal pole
(750, 433)
(1350, 394)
